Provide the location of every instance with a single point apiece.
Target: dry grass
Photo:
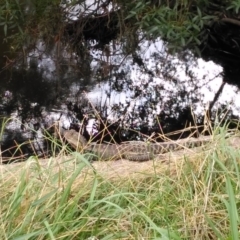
(189, 194)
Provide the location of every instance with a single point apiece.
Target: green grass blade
(232, 210)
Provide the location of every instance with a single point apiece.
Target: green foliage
(180, 25)
(235, 6)
(11, 16)
(25, 22)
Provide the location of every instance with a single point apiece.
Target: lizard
(132, 150)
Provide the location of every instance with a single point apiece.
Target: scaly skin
(134, 151)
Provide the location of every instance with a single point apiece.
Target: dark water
(22, 84)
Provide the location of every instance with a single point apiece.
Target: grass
(196, 196)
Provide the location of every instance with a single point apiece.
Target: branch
(231, 20)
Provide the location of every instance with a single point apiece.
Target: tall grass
(194, 197)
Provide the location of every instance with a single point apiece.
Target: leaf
(132, 14)
(232, 210)
(189, 40)
(156, 20)
(199, 12)
(195, 19)
(237, 9)
(139, 4)
(45, 198)
(197, 51)
(154, 29)
(30, 235)
(5, 29)
(208, 17)
(183, 42)
(196, 27)
(197, 40)
(20, 29)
